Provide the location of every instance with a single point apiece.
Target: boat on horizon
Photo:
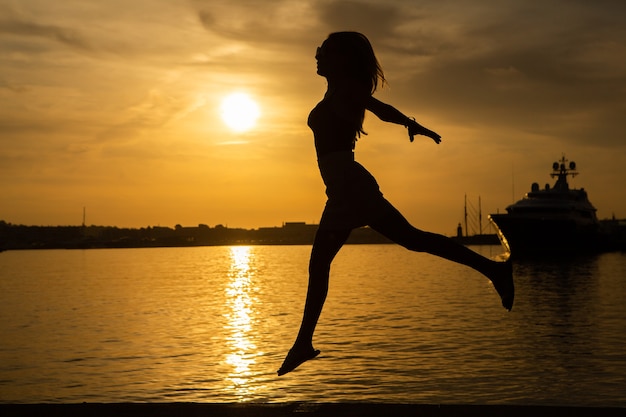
(474, 217)
(553, 220)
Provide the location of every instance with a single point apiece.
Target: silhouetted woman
(348, 62)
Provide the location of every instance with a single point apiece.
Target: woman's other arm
(388, 113)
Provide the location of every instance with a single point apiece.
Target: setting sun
(239, 112)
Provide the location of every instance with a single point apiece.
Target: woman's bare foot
(296, 357)
(502, 280)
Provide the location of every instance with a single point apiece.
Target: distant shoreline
(20, 237)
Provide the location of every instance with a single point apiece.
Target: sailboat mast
(480, 218)
(465, 214)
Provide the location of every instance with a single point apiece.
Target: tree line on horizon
(86, 237)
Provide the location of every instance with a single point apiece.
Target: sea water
(213, 324)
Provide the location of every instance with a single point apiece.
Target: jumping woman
(348, 62)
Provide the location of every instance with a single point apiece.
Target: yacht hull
(524, 235)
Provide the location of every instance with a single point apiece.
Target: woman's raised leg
(395, 227)
(326, 245)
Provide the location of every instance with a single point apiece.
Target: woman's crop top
(331, 132)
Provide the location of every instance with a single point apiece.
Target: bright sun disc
(239, 112)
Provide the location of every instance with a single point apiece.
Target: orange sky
(114, 106)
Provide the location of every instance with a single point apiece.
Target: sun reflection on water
(240, 318)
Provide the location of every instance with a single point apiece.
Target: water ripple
(213, 325)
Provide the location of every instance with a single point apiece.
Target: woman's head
(350, 54)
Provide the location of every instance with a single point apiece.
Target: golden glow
(240, 318)
(123, 106)
(240, 112)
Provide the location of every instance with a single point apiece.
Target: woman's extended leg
(327, 244)
(395, 227)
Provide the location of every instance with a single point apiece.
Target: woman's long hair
(362, 62)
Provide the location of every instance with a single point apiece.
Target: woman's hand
(417, 129)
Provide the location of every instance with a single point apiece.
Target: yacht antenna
(513, 183)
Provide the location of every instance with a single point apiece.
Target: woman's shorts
(354, 198)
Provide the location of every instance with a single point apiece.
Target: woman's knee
(397, 228)
(416, 240)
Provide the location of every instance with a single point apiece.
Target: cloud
(269, 24)
(152, 114)
(13, 87)
(376, 20)
(550, 68)
(66, 36)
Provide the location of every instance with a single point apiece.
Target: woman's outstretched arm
(388, 113)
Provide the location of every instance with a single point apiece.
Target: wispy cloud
(378, 20)
(260, 23)
(544, 67)
(66, 36)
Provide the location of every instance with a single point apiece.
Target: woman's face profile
(330, 61)
(321, 56)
